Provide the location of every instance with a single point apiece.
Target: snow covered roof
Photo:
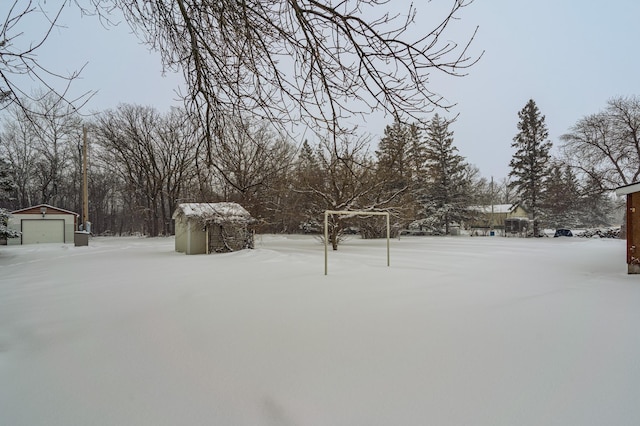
(497, 208)
(628, 189)
(213, 212)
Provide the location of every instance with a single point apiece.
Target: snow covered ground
(458, 331)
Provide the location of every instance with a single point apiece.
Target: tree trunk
(334, 237)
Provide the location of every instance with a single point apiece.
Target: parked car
(563, 233)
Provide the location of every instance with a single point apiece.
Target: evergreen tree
(307, 176)
(595, 205)
(445, 196)
(6, 185)
(400, 166)
(530, 163)
(573, 215)
(561, 198)
(307, 159)
(6, 180)
(393, 155)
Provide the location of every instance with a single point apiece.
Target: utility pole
(85, 182)
(81, 238)
(491, 223)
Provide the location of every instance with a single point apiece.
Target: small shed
(42, 224)
(518, 226)
(633, 225)
(203, 228)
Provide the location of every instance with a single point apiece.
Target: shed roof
(213, 212)
(628, 189)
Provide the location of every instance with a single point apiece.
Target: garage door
(42, 231)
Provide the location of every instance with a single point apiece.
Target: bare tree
(18, 148)
(58, 130)
(39, 142)
(605, 147)
(19, 64)
(343, 176)
(128, 134)
(249, 159)
(177, 143)
(299, 60)
(153, 155)
(504, 191)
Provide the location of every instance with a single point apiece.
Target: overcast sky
(569, 56)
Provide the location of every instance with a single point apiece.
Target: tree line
(143, 163)
(295, 62)
(598, 154)
(244, 64)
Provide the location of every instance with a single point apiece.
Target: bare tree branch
(606, 146)
(299, 61)
(19, 62)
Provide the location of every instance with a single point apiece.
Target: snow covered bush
(6, 185)
(5, 232)
(600, 233)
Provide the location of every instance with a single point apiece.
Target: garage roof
(50, 210)
(628, 189)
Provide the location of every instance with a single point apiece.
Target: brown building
(633, 225)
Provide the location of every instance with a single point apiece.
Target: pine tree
(308, 176)
(400, 165)
(572, 193)
(392, 155)
(445, 196)
(595, 205)
(307, 160)
(560, 199)
(530, 163)
(6, 185)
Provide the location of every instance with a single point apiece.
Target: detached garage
(42, 224)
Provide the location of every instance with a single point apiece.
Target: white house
(494, 216)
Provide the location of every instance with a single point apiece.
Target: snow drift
(458, 331)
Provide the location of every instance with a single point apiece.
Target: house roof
(628, 189)
(50, 210)
(213, 212)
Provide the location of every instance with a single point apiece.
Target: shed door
(36, 231)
